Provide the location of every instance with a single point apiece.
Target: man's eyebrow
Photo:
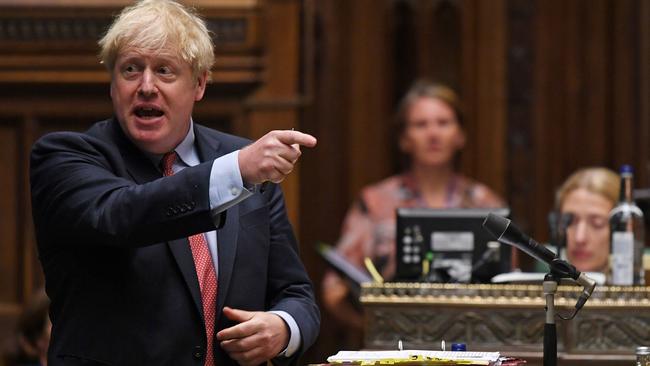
(128, 57)
(169, 58)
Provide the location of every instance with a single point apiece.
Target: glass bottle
(627, 236)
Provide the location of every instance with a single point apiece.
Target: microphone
(506, 232)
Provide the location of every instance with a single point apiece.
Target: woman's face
(588, 233)
(432, 134)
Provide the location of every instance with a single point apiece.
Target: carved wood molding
(59, 44)
(509, 318)
(232, 30)
(489, 329)
(606, 297)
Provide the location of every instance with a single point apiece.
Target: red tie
(204, 271)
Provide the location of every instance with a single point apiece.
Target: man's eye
(164, 70)
(129, 69)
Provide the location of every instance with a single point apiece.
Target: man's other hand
(273, 156)
(257, 338)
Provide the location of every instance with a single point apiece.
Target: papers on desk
(538, 278)
(414, 357)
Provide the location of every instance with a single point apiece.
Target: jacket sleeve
(289, 287)
(83, 193)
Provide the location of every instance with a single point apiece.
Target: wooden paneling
(10, 253)
(575, 71)
(484, 90)
(324, 189)
(123, 3)
(520, 92)
(440, 41)
(368, 136)
(276, 104)
(643, 15)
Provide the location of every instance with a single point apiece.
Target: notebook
(420, 357)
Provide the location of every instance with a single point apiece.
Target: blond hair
(427, 89)
(600, 181)
(157, 25)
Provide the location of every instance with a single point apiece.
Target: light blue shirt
(226, 190)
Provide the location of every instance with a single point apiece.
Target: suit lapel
(180, 248)
(142, 170)
(227, 248)
(210, 148)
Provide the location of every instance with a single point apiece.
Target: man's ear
(201, 82)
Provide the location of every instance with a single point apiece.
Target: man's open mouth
(148, 112)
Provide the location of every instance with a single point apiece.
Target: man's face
(153, 95)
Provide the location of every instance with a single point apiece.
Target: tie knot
(167, 162)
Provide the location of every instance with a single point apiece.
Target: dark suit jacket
(112, 240)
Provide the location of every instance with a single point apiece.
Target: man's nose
(147, 84)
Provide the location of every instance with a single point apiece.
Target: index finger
(291, 137)
(241, 330)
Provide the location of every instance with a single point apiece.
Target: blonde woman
(588, 195)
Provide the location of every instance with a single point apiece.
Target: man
(159, 241)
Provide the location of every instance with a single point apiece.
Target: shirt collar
(186, 150)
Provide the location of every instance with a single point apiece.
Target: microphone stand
(549, 287)
(559, 227)
(560, 269)
(503, 230)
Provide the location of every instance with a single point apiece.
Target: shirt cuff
(226, 186)
(294, 337)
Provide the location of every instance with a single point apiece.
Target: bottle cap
(626, 169)
(458, 347)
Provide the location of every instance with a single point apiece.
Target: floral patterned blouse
(369, 226)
